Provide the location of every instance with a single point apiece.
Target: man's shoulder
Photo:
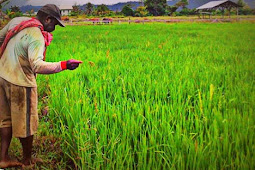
(16, 21)
(35, 30)
(19, 19)
(34, 33)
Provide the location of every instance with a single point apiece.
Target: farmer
(23, 44)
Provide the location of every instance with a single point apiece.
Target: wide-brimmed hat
(53, 11)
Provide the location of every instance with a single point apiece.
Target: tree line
(146, 8)
(150, 8)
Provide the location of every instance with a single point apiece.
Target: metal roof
(213, 4)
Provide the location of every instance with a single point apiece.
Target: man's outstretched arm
(35, 55)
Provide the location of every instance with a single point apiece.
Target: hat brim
(60, 23)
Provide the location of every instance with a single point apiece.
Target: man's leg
(6, 137)
(27, 144)
(5, 126)
(5, 122)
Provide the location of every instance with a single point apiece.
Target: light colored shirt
(23, 56)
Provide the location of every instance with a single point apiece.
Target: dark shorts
(18, 109)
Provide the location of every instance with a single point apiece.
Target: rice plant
(155, 96)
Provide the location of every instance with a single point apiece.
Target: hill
(29, 8)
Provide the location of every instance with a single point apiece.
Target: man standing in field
(23, 47)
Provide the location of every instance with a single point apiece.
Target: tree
(156, 7)
(15, 9)
(171, 9)
(2, 3)
(102, 9)
(241, 3)
(127, 10)
(245, 9)
(141, 11)
(89, 8)
(182, 3)
(13, 12)
(76, 10)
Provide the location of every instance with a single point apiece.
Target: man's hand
(72, 64)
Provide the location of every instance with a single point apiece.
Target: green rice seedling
(155, 96)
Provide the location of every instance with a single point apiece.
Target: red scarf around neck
(26, 24)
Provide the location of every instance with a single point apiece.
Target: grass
(153, 96)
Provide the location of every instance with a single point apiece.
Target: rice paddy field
(154, 96)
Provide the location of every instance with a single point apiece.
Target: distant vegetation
(150, 8)
(143, 8)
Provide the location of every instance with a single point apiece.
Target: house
(214, 5)
(222, 4)
(65, 9)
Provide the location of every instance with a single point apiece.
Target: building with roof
(212, 5)
(217, 5)
(65, 9)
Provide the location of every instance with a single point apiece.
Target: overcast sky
(64, 2)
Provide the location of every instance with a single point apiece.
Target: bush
(15, 14)
(246, 11)
(137, 14)
(74, 13)
(187, 12)
(141, 11)
(253, 11)
(170, 10)
(3, 22)
(65, 18)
